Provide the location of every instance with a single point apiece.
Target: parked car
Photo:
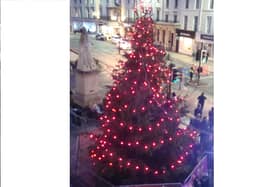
(116, 39)
(100, 36)
(124, 44)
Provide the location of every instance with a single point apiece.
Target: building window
(166, 18)
(127, 1)
(158, 35)
(176, 3)
(157, 15)
(76, 12)
(209, 24)
(197, 4)
(186, 23)
(195, 23)
(187, 3)
(89, 16)
(167, 3)
(100, 10)
(75, 1)
(80, 1)
(175, 18)
(163, 37)
(211, 4)
(81, 13)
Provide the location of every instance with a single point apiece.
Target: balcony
(169, 22)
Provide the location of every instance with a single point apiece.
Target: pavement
(182, 60)
(107, 54)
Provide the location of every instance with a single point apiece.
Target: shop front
(206, 42)
(185, 41)
(165, 34)
(110, 28)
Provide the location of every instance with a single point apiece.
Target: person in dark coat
(201, 99)
(204, 124)
(211, 118)
(191, 73)
(198, 111)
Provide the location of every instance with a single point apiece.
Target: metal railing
(167, 21)
(153, 185)
(199, 170)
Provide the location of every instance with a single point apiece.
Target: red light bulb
(172, 166)
(128, 164)
(162, 142)
(146, 168)
(154, 144)
(156, 172)
(179, 161)
(120, 159)
(137, 167)
(110, 164)
(91, 136)
(111, 154)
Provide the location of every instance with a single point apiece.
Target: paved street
(107, 54)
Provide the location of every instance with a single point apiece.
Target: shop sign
(207, 37)
(184, 33)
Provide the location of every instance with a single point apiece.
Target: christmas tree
(142, 142)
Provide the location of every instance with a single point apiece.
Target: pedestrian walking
(191, 73)
(201, 99)
(207, 55)
(199, 70)
(197, 111)
(204, 124)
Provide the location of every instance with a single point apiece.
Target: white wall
(191, 12)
